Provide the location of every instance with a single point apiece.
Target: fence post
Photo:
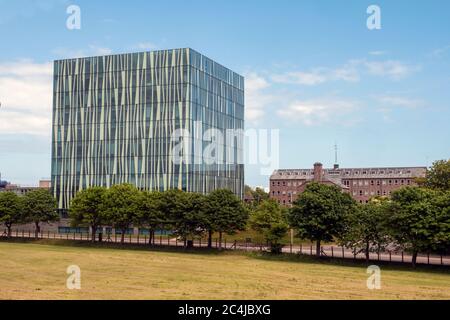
(428, 258)
(332, 252)
(402, 257)
(343, 254)
(115, 237)
(160, 239)
(442, 261)
(225, 244)
(290, 247)
(390, 256)
(310, 250)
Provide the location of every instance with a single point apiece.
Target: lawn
(38, 271)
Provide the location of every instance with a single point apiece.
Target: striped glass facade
(114, 118)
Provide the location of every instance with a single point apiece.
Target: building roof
(351, 173)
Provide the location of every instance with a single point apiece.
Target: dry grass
(34, 271)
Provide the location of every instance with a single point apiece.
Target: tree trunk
(414, 258)
(94, 232)
(220, 240)
(8, 226)
(209, 239)
(367, 252)
(150, 236)
(37, 230)
(318, 248)
(122, 236)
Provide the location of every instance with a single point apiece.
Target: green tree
(258, 195)
(442, 235)
(11, 207)
(319, 213)
(225, 213)
(270, 220)
(39, 206)
(365, 229)
(87, 209)
(418, 219)
(150, 213)
(191, 220)
(120, 204)
(438, 176)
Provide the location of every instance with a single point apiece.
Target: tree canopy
(11, 207)
(87, 209)
(269, 219)
(39, 206)
(319, 213)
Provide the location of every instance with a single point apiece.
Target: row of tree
(37, 206)
(186, 215)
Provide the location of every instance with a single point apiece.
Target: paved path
(328, 251)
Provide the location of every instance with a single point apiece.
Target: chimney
(318, 169)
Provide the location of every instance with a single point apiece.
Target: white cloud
(321, 111)
(377, 53)
(257, 98)
(146, 46)
(400, 101)
(390, 68)
(26, 97)
(92, 50)
(351, 71)
(440, 52)
(303, 78)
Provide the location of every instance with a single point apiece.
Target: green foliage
(87, 209)
(11, 207)
(366, 228)
(319, 213)
(120, 204)
(270, 220)
(150, 212)
(438, 177)
(39, 206)
(225, 213)
(258, 195)
(419, 219)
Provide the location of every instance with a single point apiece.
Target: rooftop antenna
(336, 165)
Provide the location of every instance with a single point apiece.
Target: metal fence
(335, 252)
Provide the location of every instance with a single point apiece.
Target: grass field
(38, 271)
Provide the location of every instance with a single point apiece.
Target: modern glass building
(118, 119)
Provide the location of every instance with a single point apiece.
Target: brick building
(361, 183)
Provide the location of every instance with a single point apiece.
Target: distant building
(361, 183)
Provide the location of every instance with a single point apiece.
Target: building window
(360, 192)
(372, 182)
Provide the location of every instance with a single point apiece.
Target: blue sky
(313, 70)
